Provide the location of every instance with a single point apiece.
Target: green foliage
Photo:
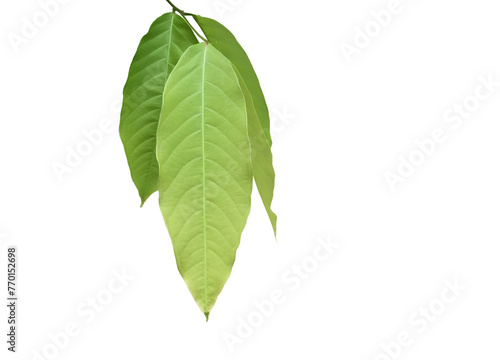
(262, 157)
(195, 126)
(205, 170)
(227, 44)
(159, 51)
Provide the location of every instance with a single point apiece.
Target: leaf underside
(195, 126)
(205, 169)
(158, 52)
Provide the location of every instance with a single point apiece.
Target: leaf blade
(205, 173)
(262, 157)
(158, 52)
(227, 44)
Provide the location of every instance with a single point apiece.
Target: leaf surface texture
(226, 43)
(205, 169)
(158, 52)
(262, 157)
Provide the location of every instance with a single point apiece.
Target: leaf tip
(144, 198)
(207, 314)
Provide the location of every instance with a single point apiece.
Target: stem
(192, 28)
(175, 7)
(183, 14)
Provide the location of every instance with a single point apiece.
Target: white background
(346, 125)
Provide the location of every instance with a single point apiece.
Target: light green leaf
(156, 56)
(227, 44)
(205, 171)
(262, 157)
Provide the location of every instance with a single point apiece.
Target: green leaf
(262, 157)
(205, 171)
(158, 53)
(227, 44)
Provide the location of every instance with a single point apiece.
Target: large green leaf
(205, 171)
(262, 157)
(227, 44)
(158, 53)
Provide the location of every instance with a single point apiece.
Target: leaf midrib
(203, 171)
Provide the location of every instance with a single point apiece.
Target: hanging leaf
(205, 169)
(262, 157)
(157, 54)
(195, 126)
(227, 44)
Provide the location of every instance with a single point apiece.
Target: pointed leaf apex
(207, 314)
(143, 200)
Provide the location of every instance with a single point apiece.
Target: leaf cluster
(195, 127)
